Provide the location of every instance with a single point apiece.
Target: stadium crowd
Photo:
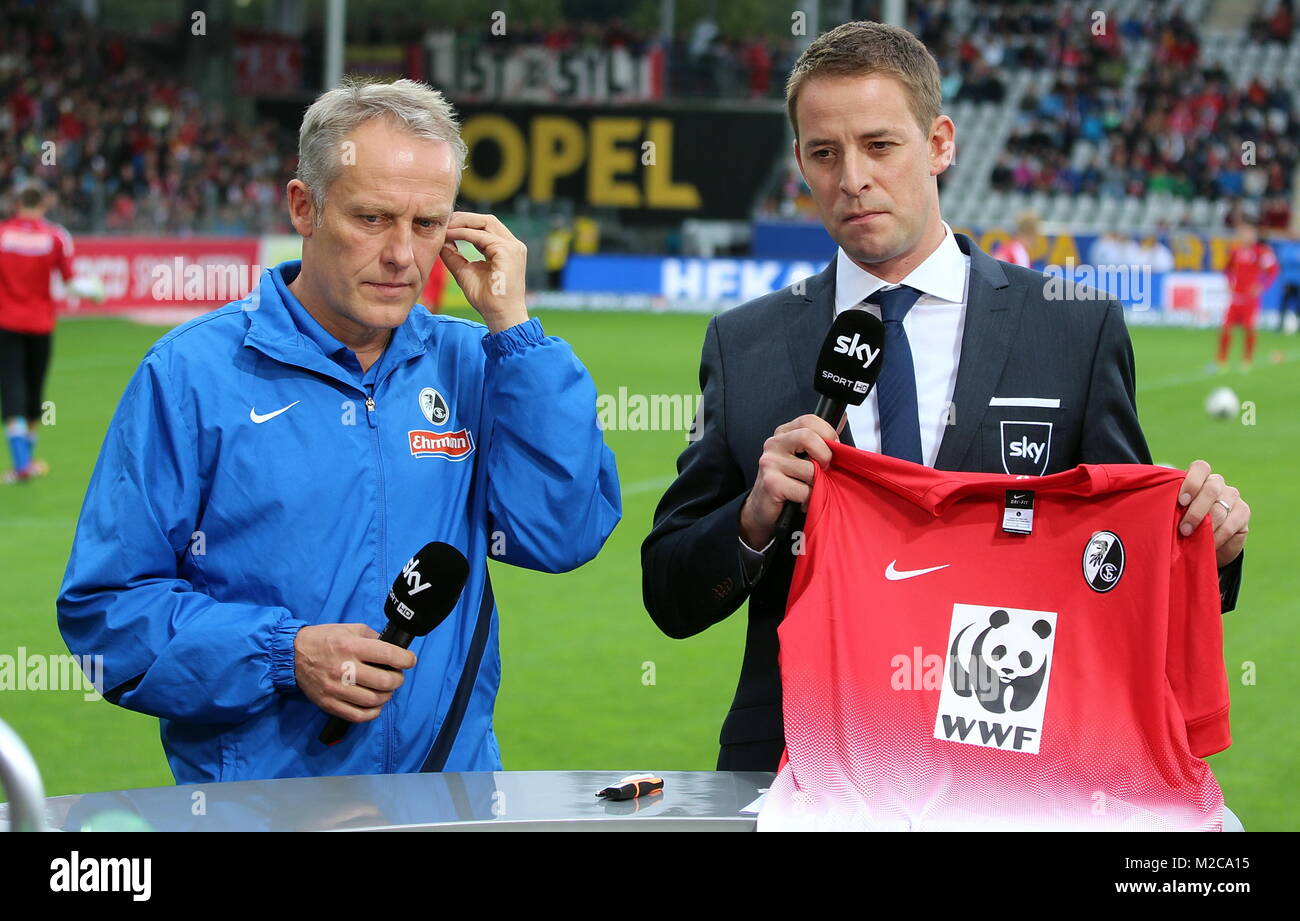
(1184, 130)
(1179, 130)
(701, 61)
(128, 147)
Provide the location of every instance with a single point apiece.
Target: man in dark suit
(987, 368)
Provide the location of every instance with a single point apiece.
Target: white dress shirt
(934, 331)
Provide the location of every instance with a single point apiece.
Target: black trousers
(24, 359)
(751, 756)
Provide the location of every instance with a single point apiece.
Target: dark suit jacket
(756, 373)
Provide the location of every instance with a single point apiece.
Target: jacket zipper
(373, 419)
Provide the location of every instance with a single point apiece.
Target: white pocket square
(1038, 402)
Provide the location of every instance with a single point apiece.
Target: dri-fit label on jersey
(999, 670)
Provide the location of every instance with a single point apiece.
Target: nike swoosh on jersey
(252, 412)
(894, 575)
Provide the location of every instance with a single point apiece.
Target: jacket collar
(992, 317)
(303, 343)
(814, 303)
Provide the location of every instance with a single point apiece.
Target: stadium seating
(1050, 116)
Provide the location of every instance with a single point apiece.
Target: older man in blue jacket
(274, 463)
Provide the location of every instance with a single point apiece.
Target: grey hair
(414, 106)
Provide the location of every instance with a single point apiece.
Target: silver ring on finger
(1226, 506)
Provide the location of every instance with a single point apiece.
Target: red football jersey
(29, 251)
(1251, 270)
(942, 670)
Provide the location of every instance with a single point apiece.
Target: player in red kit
(30, 249)
(434, 287)
(1251, 269)
(1016, 249)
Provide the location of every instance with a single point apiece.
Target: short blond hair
(1027, 223)
(864, 48)
(415, 107)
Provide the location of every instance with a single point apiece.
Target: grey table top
(502, 800)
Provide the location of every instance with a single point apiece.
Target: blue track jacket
(254, 481)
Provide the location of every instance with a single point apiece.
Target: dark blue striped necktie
(900, 421)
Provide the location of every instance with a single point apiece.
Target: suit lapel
(811, 316)
(992, 316)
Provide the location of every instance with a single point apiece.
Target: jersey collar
(935, 490)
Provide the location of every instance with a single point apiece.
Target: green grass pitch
(589, 682)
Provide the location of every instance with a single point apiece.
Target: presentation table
(488, 801)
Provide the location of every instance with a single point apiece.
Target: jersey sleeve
(1269, 266)
(64, 252)
(1194, 658)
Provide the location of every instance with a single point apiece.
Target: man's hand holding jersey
(1205, 493)
(493, 286)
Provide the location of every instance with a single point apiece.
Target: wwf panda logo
(1103, 561)
(434, 406)
(1004, 666)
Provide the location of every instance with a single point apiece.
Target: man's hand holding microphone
(348, 670)
(785, 474)
(847, 368)
(333, 667)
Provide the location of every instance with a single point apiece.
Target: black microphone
(422, 596)
(847, 369)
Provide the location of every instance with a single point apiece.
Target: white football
(1222, 403)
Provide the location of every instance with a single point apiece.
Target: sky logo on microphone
(857, 348)
(851, 357)
(412, 576)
